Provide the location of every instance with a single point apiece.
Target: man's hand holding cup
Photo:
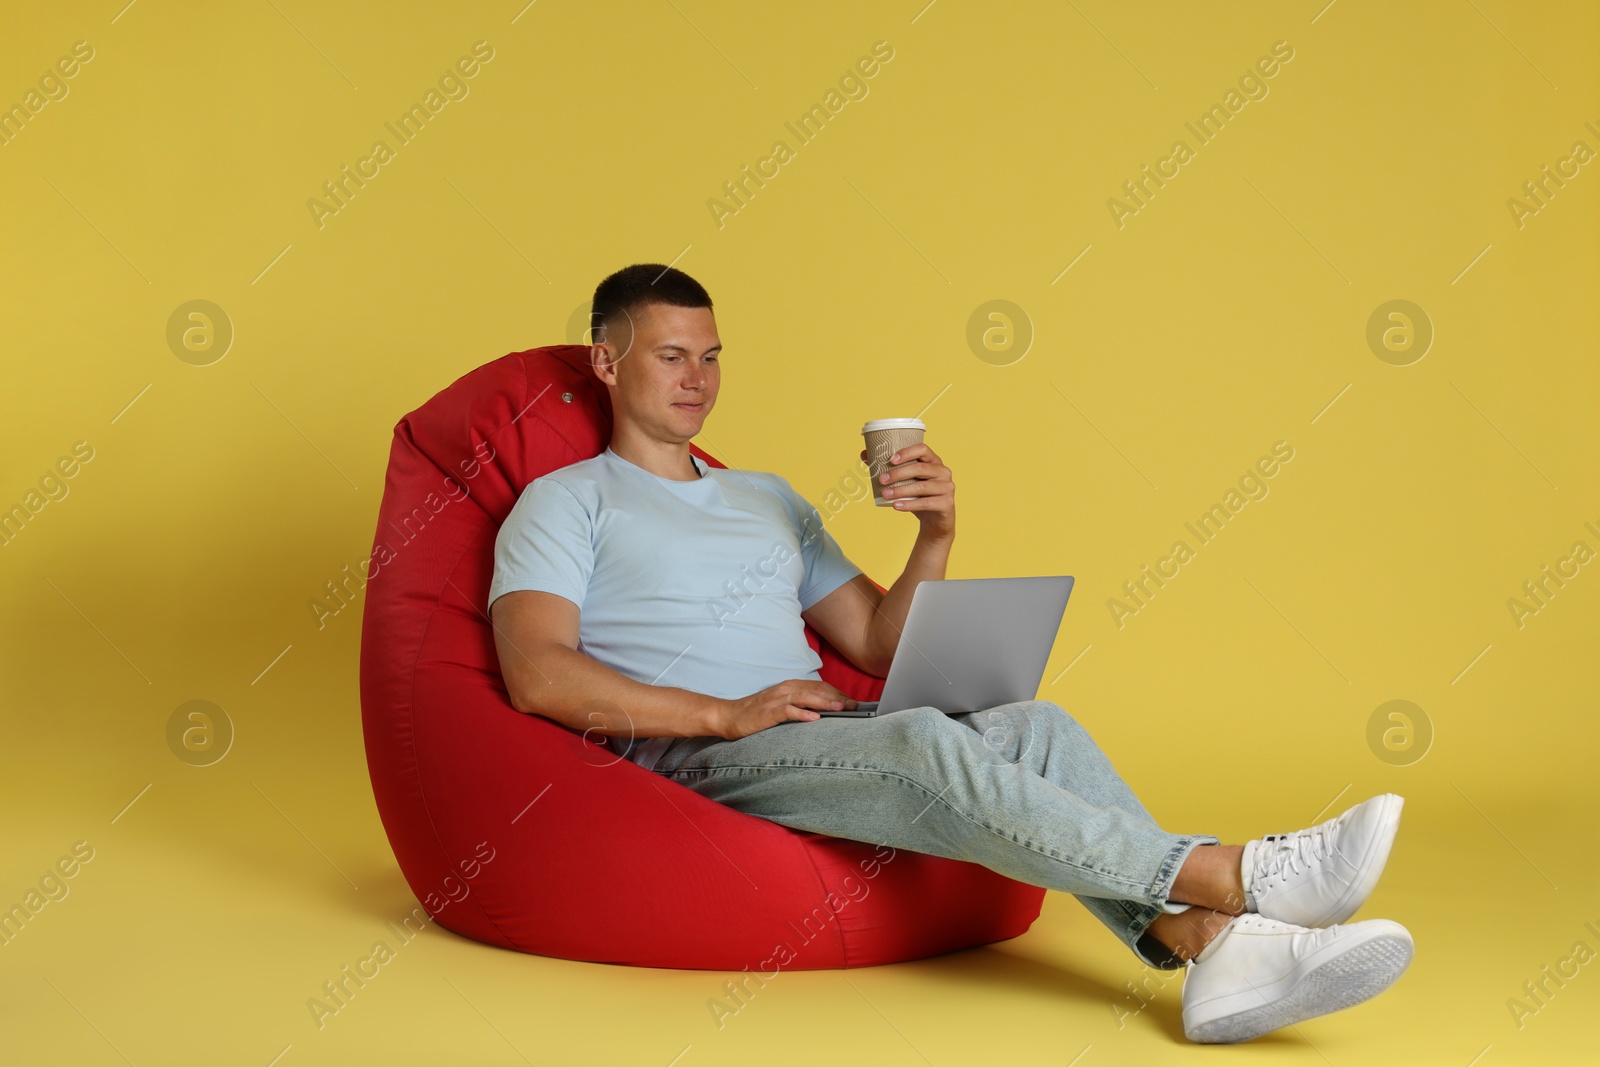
(907, 475)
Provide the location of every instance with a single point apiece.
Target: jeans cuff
(1168, 874)
(1157, 955)
(1146, 947)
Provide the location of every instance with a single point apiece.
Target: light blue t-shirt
(695, 584)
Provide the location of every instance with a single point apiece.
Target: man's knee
(1012, 731)
(1051, 708)
(1020, 718)
(1064, 730)
(1009, 730)
(1045, 719)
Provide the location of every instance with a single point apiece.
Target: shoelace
(1308, 939)
(1251, 921)
(1297, 854)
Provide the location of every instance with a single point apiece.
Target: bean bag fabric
(517, 831)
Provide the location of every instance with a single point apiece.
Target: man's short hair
(622, 294)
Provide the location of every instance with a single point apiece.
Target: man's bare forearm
(929, 557)
(583, 694)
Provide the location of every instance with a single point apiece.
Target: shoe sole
(1343, 982)
(1371, 865)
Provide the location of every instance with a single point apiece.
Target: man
(642, 579)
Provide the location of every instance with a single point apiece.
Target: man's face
(662, 364)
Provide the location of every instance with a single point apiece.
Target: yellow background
(1228, 314)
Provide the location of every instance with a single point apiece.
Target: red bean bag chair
(517, 831)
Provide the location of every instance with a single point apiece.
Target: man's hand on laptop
(795, 700)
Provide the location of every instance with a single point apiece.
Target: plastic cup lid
(893, 424)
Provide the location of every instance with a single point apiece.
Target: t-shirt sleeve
(546, 544)
(826, 565)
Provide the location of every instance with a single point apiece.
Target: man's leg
(1040, 737)
(923, 781)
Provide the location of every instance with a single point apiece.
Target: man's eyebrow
(673, 346)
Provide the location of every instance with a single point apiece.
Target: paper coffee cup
(885, 437)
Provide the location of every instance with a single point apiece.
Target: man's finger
(918, 449)
(814, 699)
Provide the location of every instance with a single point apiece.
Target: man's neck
(666, 459)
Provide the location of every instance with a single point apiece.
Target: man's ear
(600, 359)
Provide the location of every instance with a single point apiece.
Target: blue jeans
(1021, 789)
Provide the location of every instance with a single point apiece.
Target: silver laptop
(971, 644)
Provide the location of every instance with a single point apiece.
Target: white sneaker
(1321, 876)
(1259, 974)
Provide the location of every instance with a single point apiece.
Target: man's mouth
(699, 406)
